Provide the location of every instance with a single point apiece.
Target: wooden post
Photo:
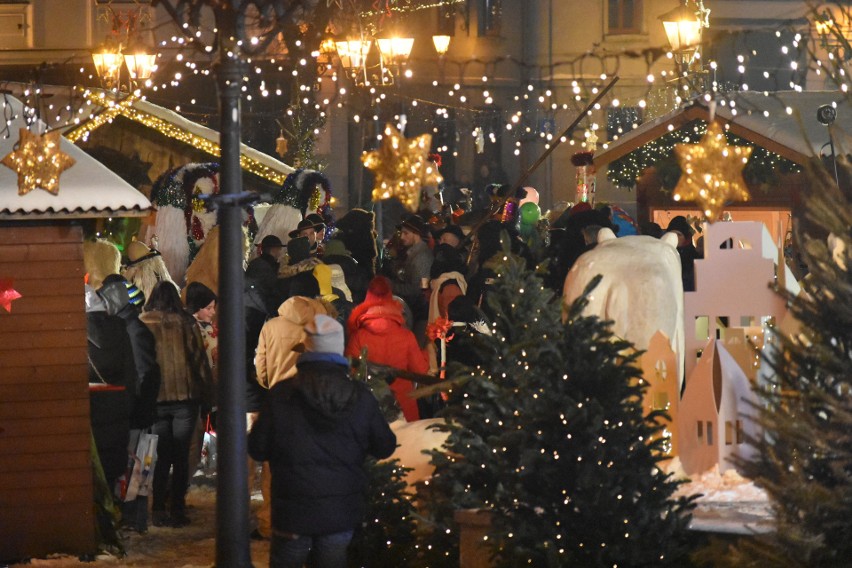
(474, 526)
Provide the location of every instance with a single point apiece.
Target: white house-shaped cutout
(659, 370)
(715, 413)
(732, 281)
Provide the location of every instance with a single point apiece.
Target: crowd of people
(314, 300)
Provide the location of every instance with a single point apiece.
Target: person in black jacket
(125, 302)
(316, 430)
(111, 368)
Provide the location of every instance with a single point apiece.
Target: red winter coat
(380, 328)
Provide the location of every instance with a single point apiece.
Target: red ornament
(197, 230)
(440, 329)
(8, 293)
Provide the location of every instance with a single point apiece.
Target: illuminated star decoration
(38, 162)
(8, 293)
(401, 167)
(712, 172)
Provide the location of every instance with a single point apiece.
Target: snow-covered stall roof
(782, 122)
(105, 108)
(87, 189)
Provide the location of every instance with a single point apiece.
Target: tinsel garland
(761, 171)
(309, 191)
(295, 193)
(172, 188)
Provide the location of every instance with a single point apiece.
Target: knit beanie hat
(324, 334)
(336, 247)
(198, 296)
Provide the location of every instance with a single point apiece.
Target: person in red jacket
(379, 325)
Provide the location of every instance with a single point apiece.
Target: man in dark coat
(262, 273)
(316, 430)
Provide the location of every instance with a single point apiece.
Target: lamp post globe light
(683, 28)
(231, 45)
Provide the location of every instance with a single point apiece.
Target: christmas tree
(386, 537)
(804, 459)
(548, 435)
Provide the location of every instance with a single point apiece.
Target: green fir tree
(804, 459)
(386, 537)
(548, 434)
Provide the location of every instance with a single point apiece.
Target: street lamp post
(231, 44)
(683, 30)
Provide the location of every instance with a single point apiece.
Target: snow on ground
(193, 546)
(715, 487)
(729, 503)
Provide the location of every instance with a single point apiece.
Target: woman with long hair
(186, 384)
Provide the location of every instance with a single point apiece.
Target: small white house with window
(715, 412)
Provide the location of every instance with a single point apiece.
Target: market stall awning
(782, 122)
(104, 108)
(86, 189)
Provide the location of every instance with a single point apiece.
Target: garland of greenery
(763, 170)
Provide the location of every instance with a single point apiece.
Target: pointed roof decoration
(783, 122)
(105, 108)
(88, 189)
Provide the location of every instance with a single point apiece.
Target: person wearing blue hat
(315, 431)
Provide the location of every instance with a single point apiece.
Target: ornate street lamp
(353, 53)
(683, 29)
(108, 60)
(232, 44)
(394, 53)
(442, 44)
(396, 50)
(325, 54)
(683, 26)
(140, 62)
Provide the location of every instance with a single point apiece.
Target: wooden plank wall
(46, 502)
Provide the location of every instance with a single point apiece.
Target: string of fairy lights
(490, 106)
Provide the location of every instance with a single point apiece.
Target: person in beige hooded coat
(276, 355)
(278, 349)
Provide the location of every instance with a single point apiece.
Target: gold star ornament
(712, 172)
(401, 167)
(38, 162)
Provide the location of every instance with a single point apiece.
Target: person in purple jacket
(315, 430)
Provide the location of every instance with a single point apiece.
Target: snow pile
(715, 487)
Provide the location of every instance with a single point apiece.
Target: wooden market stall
(46, 487)
(783, 125)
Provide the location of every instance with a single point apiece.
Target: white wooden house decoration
(715, 412)
(659, 370)
(733, 285)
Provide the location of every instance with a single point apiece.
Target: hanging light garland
(125, 108)
(763, 168)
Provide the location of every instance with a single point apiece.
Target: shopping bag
(144, 460)
(209, 450)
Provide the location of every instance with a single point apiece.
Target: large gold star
(400, 167)
(712, 172)
(38, 161)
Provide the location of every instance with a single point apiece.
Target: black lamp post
(231, 44)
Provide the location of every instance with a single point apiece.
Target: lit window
(624, 17)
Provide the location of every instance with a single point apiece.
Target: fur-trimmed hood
(290, 270)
